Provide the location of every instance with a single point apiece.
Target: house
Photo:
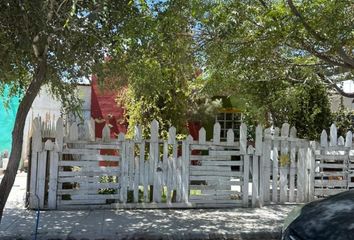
(101, 106)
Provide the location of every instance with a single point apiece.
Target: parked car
(327, 219)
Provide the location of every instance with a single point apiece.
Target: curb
(156, 236)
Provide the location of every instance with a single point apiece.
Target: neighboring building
(7, 120)
(336, 100)
(49, 110)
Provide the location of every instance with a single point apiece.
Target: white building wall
(50, 109)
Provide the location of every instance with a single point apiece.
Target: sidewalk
(241, 223)
(264, 223)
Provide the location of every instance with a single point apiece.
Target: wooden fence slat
(106, 133)
(202, 136)
(324, 139)
(246, 171)
(300, 197)
(216, 133)
(185, 169)
(74, 132)
(333, 135)
(131, 157)
(230, 137)
(189, 140)
(90, 130)
(146, 181)
(243, 138)
(41, 174)
(53, 180)
(310, 171)
(157, 185)
(154, 150)
(178, 180)
(36, 148)
(169, 180)
(349, 139)
(284, 164)
(261, 163)
(255, 180)
(275, 167)
(124, 174)
(340, 141)
(142, 160)
(59, 135)
(266, 158)
(293, 145)
(164, 163)
(136, 177)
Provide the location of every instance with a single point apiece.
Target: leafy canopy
(68, 36)
(248, 41)
(157, 66)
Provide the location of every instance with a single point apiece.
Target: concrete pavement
(239, 223)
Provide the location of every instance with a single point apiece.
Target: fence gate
(217, 171)
(334, 171)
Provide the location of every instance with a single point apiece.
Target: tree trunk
(17, 134)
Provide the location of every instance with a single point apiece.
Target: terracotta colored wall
(193, 129)
(105, 110)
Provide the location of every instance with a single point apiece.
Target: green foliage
(157, 65)
(343, 120)
(274, 56)
(270, 41)
(305, 106)
(66, 37)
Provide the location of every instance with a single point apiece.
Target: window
(229, 120)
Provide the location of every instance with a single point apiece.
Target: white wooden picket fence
(68, 171)
(334, 170)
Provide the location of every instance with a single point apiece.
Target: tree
(157, 67)
(279, 40)
(304, 106)
(56, 43)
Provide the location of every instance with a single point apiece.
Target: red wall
(105, 110)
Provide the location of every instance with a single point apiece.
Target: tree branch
(335, 86)
(324, 57)
(348, 61)
(263, 3)
(345, 57)
(308, 28)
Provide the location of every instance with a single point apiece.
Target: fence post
(124, 173)
(293, 145)
(311, 171)
(185, 169)
(36, 149)
(255, 179)
(90, 130)
(267, 145)
(348, 146)
(260, 162)
(284, 163)
(54, 155)
(301, 174)
(154, 161)
(275, 166)
(246, 173)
